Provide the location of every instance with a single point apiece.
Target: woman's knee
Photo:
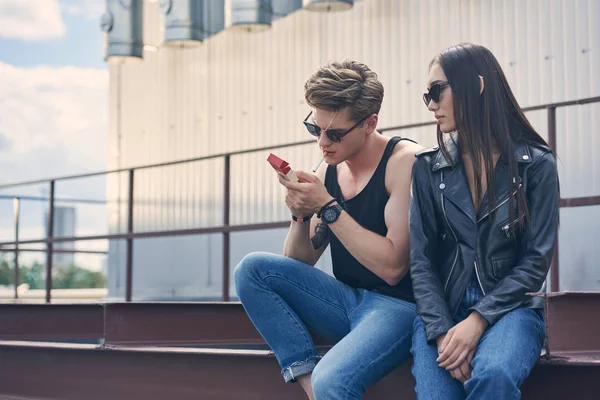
(494, 377)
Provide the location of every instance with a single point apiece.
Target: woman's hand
(460, 342)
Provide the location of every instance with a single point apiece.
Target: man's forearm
(297, 244)
(375, 252)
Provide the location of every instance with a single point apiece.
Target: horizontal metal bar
(258, 149)
(140, 235)
(409, 126)
(51, 321)
(588, 100)
(580, 201)
(164, 164)
(21, 250)
(564, 203)
(44, 198)
(181, 324)
(580, 102)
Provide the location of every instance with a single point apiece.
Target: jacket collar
(522, 153)
(453, 151)
(454, 186)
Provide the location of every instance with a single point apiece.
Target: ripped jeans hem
(299, 368)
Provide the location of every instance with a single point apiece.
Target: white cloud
(31, 20)
(89, 9)
(53, 121)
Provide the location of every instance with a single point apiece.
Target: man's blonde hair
(349, 85)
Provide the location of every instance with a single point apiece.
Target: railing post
(129, 278)
(226, 205)
(16, 206)
(49, 243)
(554, 270)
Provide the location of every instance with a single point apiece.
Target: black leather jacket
(449, 242)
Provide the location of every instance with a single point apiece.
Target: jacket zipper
(501, 204)
(453, 234)
(478, 278)
(506, 228)
(503, 228)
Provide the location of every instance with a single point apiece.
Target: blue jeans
(505, 355)
(283, 297)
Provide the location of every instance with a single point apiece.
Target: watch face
(329, 215)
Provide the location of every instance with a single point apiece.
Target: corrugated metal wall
(241, 90)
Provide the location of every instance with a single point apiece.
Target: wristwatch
(331, 213)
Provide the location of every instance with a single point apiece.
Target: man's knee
(247, 270)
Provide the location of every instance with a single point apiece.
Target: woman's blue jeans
(505, 355)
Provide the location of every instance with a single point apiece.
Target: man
(361, 210)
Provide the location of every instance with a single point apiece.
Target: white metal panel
(241, 90)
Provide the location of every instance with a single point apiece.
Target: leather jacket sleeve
(537, 244)
(427, 286)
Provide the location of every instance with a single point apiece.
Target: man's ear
(371, 123)
(481, 84)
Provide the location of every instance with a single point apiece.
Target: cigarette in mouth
(318, 164)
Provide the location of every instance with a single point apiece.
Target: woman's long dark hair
(485, 120)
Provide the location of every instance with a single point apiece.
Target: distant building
(65, 220)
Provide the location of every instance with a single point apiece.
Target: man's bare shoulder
(399, 169)
(404, 153)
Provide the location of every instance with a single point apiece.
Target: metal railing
(225, 229)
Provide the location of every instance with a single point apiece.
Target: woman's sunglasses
(434, 92)
(333, 134)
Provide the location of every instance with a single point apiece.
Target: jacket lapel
(504, 190)
(453, 185)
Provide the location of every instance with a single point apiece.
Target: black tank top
(366, 208)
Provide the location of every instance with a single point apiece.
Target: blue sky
(54, 87)
(80, 45)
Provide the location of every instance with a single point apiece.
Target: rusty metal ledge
(574, 358)
(181, 324)
(572, 323)
(51, 321)
(75, 372)
(62, 371)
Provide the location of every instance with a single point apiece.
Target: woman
(483, 224)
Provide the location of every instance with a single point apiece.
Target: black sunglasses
(434, 92)
(333, 134)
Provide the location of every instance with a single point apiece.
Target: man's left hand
(308, 194)
(461, 340)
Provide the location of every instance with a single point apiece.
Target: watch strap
(303, 219)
